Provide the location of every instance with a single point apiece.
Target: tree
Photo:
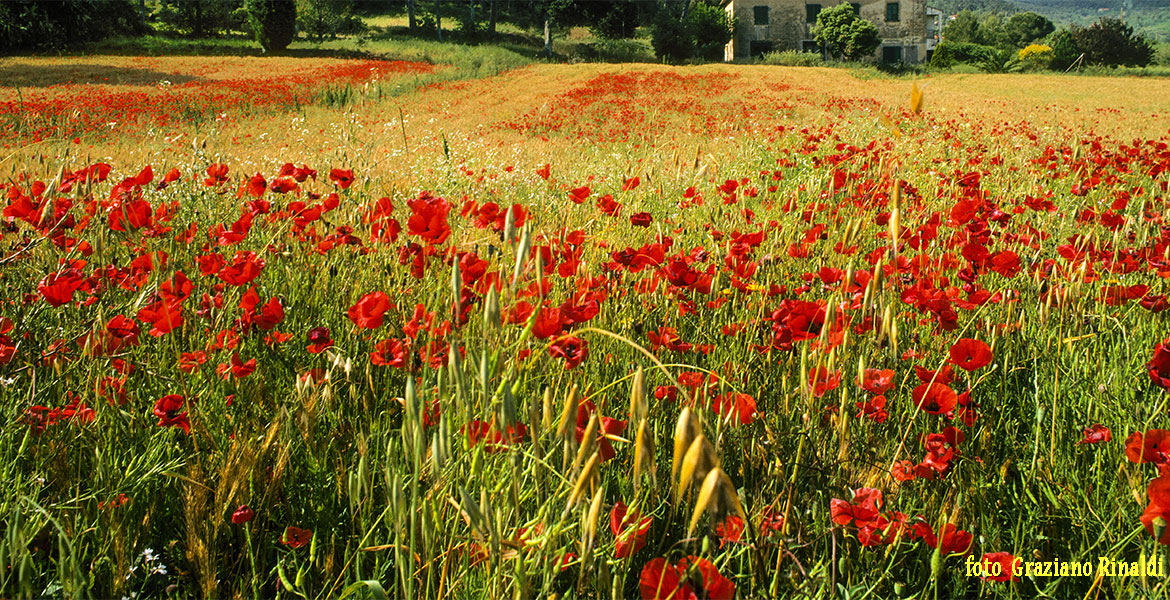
(1026, 27)
(964, 29)
(200, 18)
(711, 29)
(844, 34)
(273, 22)
(63, 23)
(613, 19)
(670, 38)
(320, 19)
(1111, 42)
(1064, 50)
(698, 30)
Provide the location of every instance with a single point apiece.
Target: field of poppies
(580, 331)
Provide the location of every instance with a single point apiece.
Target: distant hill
(1151, 17)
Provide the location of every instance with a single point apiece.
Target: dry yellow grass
(504, 119)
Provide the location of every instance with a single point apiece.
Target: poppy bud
(1159, 527)
(243, 515)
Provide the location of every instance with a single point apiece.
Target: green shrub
(948, 54)
(273, 22)
(791, 58)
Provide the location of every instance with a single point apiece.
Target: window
(760, 15)
(892, 11)
(811, 46)
(856, 8)
(892, 54)
(759, 47)
(811, 11)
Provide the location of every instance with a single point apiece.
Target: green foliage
(273, 22)
(950, 53)
(1002, 60)
(1026, 27)
(322, 19)
(711, 28)
(964, 29)
(1064, 50)
(671, 40)
(791, 58)
(201, 18)
(846, 35)
(613, 19)
(1111, 42)
(701, 33)
(44, 24)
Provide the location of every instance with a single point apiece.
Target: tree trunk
(413, 23)
(492, 18)
(547, 35)
(439, 20)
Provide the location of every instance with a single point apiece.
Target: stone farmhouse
(908, 28)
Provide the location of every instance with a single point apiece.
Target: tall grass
(399, 501)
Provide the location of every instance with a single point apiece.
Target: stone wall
(787, 28)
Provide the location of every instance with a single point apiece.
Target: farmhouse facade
(909, 30)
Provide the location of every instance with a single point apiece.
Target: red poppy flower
(494, 440)
(873, 409)
(823, 380)
(730, 529)
(342, 177)
(771, 522)
(739, 408)
(970, 354)
(660, 580)
(573, 350)
(391, 353)
(189, 361)
(256, 186)
(1095, 434)
(216, 175)
(1006, 570)
(169, 410)
(243, 514)
(1158, 493)
(1153, 447)
(630, 529)
(861, 511)
(241, 368)
(245, 267)
(579, 195)
(270, 315)
(942, 376)
(295, 537)
(606, 427)
(642, 219)
(428, 219)
(544, 172)
(163, 315)
(369, 309)
(935, 398)
(877, 381)
(954, 540)
(58, 288)
(319, 340)
(1159, 365)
